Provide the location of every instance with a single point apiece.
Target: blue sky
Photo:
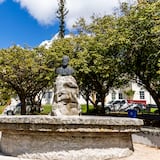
(29, 22)
(19, 27)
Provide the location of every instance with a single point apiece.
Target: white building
(48, 97)
(140, 93)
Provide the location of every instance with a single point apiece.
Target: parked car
(116, 105)
(123, 105)
(15, 109)
(136, 106)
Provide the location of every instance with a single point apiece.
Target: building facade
(140, 93)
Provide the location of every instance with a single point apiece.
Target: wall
(148, 136)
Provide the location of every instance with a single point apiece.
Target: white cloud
(1, 1)
(44, 10)
(86, 8)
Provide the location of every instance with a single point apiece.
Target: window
(113, 95)
(49, 95)
(120, 96)
(123, 102)
(117, 102)
(141, 94)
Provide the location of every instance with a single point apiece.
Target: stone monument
(67, 135)
(66, 91)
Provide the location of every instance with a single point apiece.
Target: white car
(136, 106)
(14, 109)
(116, 105)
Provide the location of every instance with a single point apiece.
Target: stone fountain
(27, 135)
(65, 134)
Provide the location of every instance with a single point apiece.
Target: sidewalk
(143, 152)
(3, 157)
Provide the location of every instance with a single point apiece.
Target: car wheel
(10, 112)
(107, 110)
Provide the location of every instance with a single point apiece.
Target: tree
(5, 93)
(129, 93)
(98, 58)
(61, 14)
(141, 39)
(25, 71)
(111, 50)
(158, 66)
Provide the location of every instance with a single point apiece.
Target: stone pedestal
(23, 135)
(65, 96)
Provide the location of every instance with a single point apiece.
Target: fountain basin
(41, 134)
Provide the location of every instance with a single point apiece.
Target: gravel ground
(141, 152)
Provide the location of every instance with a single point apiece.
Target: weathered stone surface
(41, 134)
(77, 120)
(83, 154)
(148, 136)
(66, 96)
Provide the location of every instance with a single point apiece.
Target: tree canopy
(95, 56)
(113, 49)
(24, 71)
(141, 31)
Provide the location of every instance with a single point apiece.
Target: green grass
(84, 108)
(153, 110)
(46, 109)
(2, 109)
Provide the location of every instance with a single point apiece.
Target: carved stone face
(65, 61)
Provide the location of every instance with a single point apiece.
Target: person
(65, 69)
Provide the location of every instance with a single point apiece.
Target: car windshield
(18, 105)
(110, 102)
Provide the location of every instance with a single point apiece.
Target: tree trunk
(103, 102)
(23, 104)
(87, 100)
(157, 100)
(155, 96)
